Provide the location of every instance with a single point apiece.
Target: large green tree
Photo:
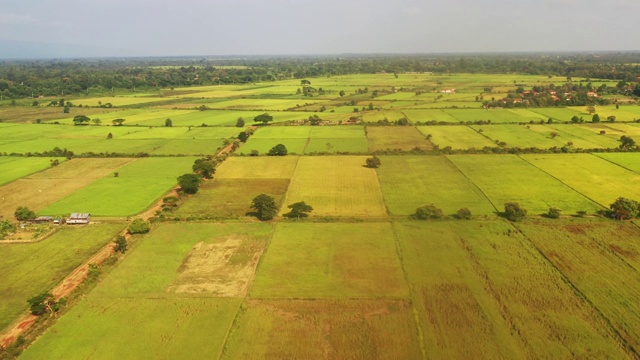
(299, 210)
(23, 213)
(514, 212)
(263, 118)
(80, 119)
(278, 150)
(265, 207)
(190, 183)
(623, 208)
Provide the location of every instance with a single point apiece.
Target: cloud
(11, 18)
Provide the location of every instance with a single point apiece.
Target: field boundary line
(556, 128)
(621, 340)
(473, 183)
(616, 164)
(565, 184)
(239, 312)
(481, 133)
(416, 315)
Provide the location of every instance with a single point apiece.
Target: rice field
(13, 168)
(456, 137)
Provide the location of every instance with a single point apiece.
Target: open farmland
(432, 180)
(127, 194)
(12, 168)
(336, 186)
(456, 137)
(383, 138)
(521, 182)
(42, 189)
(30, 269)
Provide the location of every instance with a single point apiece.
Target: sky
(302, 27)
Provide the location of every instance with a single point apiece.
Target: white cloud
(11, 18)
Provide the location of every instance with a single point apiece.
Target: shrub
(139, 226)
(120, 244)
(553, 213)
(463, 214)
(427, 212)
(514, 212)
(278, 150)
(623, 209)
(373, 162)
(23, 213)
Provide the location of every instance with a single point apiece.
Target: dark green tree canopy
(205, 167)
(427, 212)
(265, 207)
(299, 210)
(139, 226)
(278, 150)
(80, 119)
(190, 183)
(23, 213)
(514, 212)
(373, 162)
(624, 209)
(263, 118)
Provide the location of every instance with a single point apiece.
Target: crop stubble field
(368, 283)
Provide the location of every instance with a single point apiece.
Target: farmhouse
(41, 219)
(79, 218)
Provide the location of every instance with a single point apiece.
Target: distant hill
(10, 49)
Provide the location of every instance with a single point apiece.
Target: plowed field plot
(331, 261)
(277, 167)
(590, 175)
(431, 180)
(42, 189)
(336, 186)
(508, 178)
(127, 194)
(302, 329)
(30, 269)
(214, 260)
(391, 138)
(596, 258)
(542, 311)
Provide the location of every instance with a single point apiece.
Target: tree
(80, 119)
(43, 303)
(623, 209)
(263, 118)
(575, 119)
(189, 183)
(96, 121)
(627, 143)
(109, 136)
(591, 109)
(553, 213)
(427, 212)
(66, 110)
(139, 226)
(6, 227)
(117, 122)
(514, 212)
(265, 207)
(611, 118)
(120, 244)
(595, 118)
(278, 150)
(373, 162)
(243, 136)
(168, 122)
(342, 93)
(403, 121)
(204, 167)
(463, 214)
(23, 213)
(240, 122)
(298, 210)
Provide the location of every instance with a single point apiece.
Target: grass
(508, 178)
(429, 115)
(12, 168)
(457, 137)
(630, 161)
(303, 329)
(30, 269)
(42, 189)
(276, 167)
(129, 193)
(333, 260)
(596, 178)
(336, 186)
(383, 138)
(432, 180)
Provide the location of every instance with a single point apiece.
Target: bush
(23, 213)
(514, 212)
(463, 214)
(278, 150)
(120, 244)
(427, 212)
(623, 209)
(139, 226)
(42, 303)
(553, 213)
(373, 162)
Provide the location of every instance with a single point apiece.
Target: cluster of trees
(266, 208)
(432, 212)
(21, 79)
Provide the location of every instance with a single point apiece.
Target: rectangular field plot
(117, 100)
(294, 146)
(560, 114)
(180, 328)
(187, 260)
(303, 329)
(30, 269)
(583, 137)
(428, 115)
(457, 137)
(495, 115)
(336, 186)
(594, 257)
(459, 316)
(508, 178)
(42, 189)
(594, 177)
(431, 180)
(332, 139)
(263, 104)
(129, 193)
(383, 138)
(12, 168)
(275, 167)
(543, 311)
(232, 197)
(522, 136)
(630, 161)
(333, 260)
